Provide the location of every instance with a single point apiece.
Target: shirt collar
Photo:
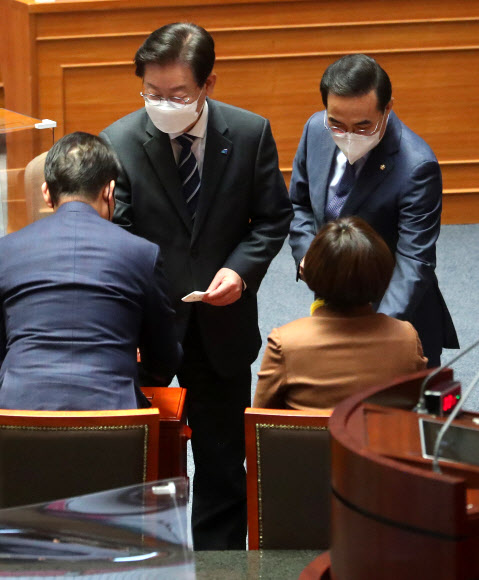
(341, 161)
(199, 129)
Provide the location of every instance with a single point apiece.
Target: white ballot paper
(195, 296)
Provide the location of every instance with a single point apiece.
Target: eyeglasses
(173, 102)
(338, 131)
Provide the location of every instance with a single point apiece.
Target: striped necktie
(189, 173)
(344, 188)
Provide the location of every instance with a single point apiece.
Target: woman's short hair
(348, 264)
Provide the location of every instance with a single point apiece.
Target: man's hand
(225, 288)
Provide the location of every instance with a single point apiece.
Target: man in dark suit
(79, 295)
(358, 158)
(201, 178)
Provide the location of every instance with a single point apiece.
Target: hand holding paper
(195, 296)
(225, 288)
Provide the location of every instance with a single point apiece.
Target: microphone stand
(450, 419)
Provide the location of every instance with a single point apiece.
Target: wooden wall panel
(117, 89)
(464, 172)
(346, 38)
(270, 57)
(240, 13)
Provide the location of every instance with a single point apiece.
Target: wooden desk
(174, 433)
(392, 516)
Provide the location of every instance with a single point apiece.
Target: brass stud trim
(259, 428)
(143, 428)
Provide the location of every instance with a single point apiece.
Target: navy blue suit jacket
(399, 193)
(78, 296)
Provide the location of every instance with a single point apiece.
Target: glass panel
(20, 142)
(11, 121)
(139, 531)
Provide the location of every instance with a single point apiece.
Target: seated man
(79, 294)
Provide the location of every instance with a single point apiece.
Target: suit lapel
(379, 164)
(159, 151)
(218, 150)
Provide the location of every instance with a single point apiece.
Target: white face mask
(355, 146)
(170, 120)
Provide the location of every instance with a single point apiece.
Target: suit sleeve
(3, 337)
(123, 214)
(269, 390)
(161, 353)
(270, 216)
(418, 229)
(303, 227)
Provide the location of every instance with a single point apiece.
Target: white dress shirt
(198, 147)
(339, 168)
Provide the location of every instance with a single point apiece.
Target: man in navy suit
(358, 158)
(79, 295)
(201, 178)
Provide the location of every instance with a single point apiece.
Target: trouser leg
(215, 408)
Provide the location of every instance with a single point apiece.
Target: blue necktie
(344, 188)
(189, 173)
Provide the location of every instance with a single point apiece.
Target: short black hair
(348, 264)
(355, 75)
(182, 42)
(80, 165)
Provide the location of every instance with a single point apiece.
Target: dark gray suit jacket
(78, 296)
(399, 193)
(242, 218)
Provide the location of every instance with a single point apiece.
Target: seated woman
(345, 346)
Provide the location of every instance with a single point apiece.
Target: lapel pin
(224, 151)
(382, 167)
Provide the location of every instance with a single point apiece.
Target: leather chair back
(53, 455)
(34, 177)
(288, 479)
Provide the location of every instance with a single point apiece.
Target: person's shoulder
(124, 127)
(129, 238)
(232, 112)
(30, 231)
(413, 145)
(239, 121)
(137, 251)
(314, 127)
(399, 328)
(296, 331)
(316, 120)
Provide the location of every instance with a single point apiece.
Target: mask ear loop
(112, 193)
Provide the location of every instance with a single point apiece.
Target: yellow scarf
(316, 304)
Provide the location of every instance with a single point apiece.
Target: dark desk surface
(253, 565)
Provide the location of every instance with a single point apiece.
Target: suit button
(194, 253)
